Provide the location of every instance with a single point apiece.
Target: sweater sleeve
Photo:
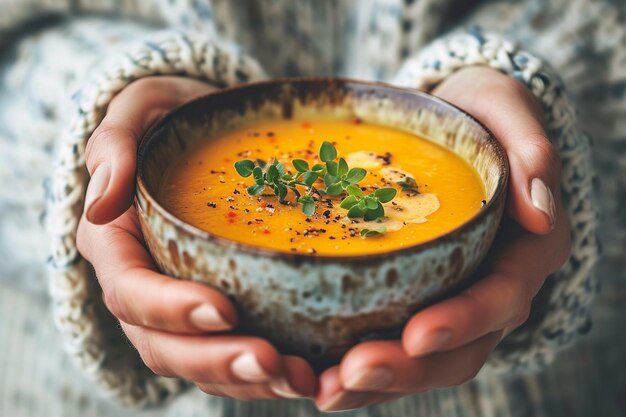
(90, 334)
(561, 310)
(19, 16)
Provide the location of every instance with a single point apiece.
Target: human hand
(447, 343)
(170, 322)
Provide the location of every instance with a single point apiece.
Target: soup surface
(203, 188)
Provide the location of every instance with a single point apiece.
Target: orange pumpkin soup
(436, 190)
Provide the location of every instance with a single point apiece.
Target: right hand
(170, 322)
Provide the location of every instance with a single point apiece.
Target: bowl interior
(407, 110)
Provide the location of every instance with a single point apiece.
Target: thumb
(111, 164)
(534, 164)
(112, 149)
(513, 114)
(534, 190)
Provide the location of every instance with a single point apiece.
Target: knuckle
(458, 379)
(153, 314)
(264, 348)
(474, 364)
(541, 149)
(212, 389)
(150, 358)
(521, 317)
(112, 302)
(468, 376)
(95, 150)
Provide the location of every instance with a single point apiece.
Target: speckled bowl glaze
(310, 305)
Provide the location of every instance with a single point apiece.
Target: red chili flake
(357, 121)
(263, 204)
(306, 125)
(231, 221)
(231, 214)
(266, 231)
(227, 160)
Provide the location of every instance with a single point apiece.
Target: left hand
(448, 343)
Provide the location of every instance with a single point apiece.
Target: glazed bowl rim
(148, 138)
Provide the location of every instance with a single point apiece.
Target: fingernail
(98, 184)
(370, 379)
(431, 342)
(543, 199)
(247, 368)
(345, 400)
(283, 388)
(207, 317)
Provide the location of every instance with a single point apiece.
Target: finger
(220, 359)
(382, 366)
(243, 392)
(111, 150)
(514, 116)
(501, 299)
(136, 294)
(333, 396)
(299, 380)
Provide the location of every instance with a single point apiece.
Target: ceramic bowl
(310, 305)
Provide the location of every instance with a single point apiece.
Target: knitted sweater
(97, 47)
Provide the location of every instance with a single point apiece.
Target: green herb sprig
(373, 232)
(337, 176)
(370, 206)
(267, 175)
(409, 186)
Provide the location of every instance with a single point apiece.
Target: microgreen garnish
(336, 176)
(409, 185)
(370, 206)
(373, 232)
